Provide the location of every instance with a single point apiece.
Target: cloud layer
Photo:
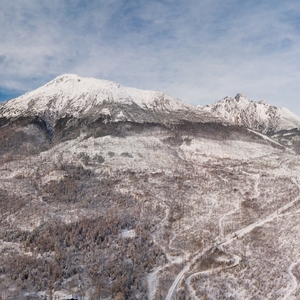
(199, 51)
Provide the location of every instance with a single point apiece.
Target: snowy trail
(237, 206)
(230, 238)
(195, 258)
(184, 271)
(240, 233)
(257, 192)
(42, 201)
(152, 282)
(192, 291)
(235, 262)
(152, 278)
(294, 281)
(278, 213)
(220, 222)
(221, 234)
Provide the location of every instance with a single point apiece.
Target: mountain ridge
(70, 94)
(69, 102)
(259, 116)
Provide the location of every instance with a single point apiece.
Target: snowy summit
(72, 94)
(259, 116)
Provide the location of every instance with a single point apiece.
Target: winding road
(229, 239)
(294, 281)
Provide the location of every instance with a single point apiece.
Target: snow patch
(128, 233)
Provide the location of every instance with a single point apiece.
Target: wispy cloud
(199, 51)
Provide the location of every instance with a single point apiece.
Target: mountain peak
(65, 78)
(241, 97)
(259, 116)
(81, 97)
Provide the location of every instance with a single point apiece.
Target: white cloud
(199, 51)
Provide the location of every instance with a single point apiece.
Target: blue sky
(198, 51)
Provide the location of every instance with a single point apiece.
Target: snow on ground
(150, 99)
(142, 153)
(265, 137)
(294, 283)
(202, 150)
(53, 175)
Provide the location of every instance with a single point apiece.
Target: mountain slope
(164, 202)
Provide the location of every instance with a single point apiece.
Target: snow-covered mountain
(259, 116)
(72, 95)
(110, 192)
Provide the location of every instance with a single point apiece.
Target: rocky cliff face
(115, 193)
